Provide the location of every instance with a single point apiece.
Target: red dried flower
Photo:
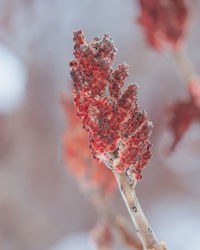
(78, 156)
(183, 113)
(118, 131)
(164, 22)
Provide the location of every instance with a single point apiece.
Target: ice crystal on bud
(118, 131)
(184, 112)
(164, 22)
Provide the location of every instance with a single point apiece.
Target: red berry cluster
(183, 113)
(78, 157)
(164, 21)
(118, 131)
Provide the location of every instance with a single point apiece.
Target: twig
(119, 224)
(185, 66)
(143, 228)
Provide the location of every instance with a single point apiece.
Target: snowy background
(41, 207)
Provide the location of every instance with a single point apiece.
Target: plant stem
(100, 203)
(143, 229)
(185, 66)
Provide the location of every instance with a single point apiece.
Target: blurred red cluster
(183, 113)
(164, 22)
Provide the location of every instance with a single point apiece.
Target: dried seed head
(118, 131)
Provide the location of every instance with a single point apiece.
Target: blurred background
(41, 206)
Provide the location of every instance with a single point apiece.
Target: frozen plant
(96, 181)
(118, 132)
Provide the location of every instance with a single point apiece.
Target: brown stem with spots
(143, 229)
(118, 222)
